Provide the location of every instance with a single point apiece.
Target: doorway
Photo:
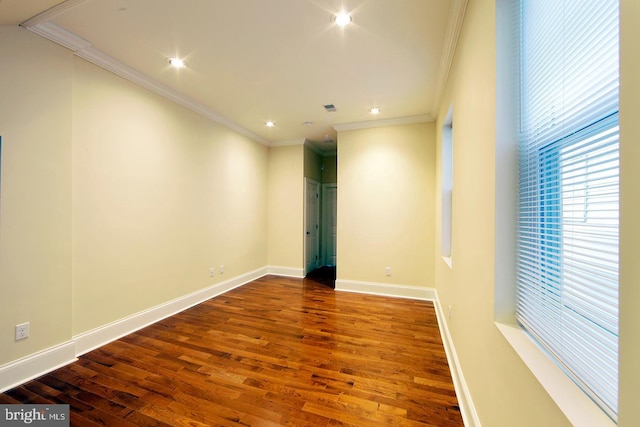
(320, 232)
(312, 225)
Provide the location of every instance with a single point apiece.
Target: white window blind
(568, 229)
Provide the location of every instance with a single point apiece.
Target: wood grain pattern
(275, 352)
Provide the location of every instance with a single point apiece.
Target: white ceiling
(250, 61)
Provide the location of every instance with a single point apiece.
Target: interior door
(312, 225)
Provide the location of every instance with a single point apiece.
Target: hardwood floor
(277, 351)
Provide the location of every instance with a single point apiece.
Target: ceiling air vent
(330, 108)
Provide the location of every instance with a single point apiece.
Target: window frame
(570, 399)
(446, 183)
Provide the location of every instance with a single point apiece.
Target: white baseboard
(286, 271)
(467, 410)
(35, 365)
(38, 364)
(387, 290)
(95, 338)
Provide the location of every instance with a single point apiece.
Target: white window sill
(447, 260)
(572, 401)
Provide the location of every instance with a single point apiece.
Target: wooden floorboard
(274, 352)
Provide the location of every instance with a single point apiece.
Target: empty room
(320, 212)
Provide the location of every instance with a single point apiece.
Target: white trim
(385, 289)
(102, 335)
(369, 124)
(579, 409)
(286, 271)
(448, 260)
(59, 35)
(298, 141)
(85, 50)
(35, 365)
(38, 364)
(467, 409)
(454, 26)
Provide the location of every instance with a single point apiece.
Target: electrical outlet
(450, 313)
(22, 331)
(212, 272)
(387, 271)
(221, 269)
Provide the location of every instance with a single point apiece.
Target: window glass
(567, 296)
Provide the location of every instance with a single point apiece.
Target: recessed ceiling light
(342, 18)
(374, 110)
(177, 62)
(270, 124)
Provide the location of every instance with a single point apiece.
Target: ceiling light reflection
(177, 62)
(342, 18)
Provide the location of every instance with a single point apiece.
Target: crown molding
(454, 26)
(59, 35)
(369, 124)
(297, 141)
(85, 50)
(313, 146)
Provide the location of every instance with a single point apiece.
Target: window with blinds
(567, 296)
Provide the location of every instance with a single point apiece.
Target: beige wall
(629, 414)
(501, 387)
(157, 200)
(385, 205)
(113, 199)
(102, 216)
(286, 180)
(504, 391)
(35, 192)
